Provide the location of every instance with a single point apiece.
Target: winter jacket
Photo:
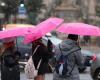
(9, 65)
(75, 59)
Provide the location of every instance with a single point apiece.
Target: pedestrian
(72, 52)
(43, 54)
(9, 61)
(87, 40)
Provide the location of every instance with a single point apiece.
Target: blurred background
(35, 11)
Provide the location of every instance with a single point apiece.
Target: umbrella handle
(16, 44)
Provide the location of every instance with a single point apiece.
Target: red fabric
(9, 44)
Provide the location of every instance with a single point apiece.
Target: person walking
(9, 62)
(72, 52)
(42, 53)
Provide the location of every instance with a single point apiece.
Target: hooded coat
(75, 59)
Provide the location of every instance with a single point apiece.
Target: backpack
(62, 64)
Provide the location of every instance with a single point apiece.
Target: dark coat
(9, 71)
(42, 53)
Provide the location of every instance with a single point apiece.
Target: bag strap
(39, 64)
(60, 49)
(74, 64)
(69, 52)
(35, 49)
(40, 59)
(74, 51)
(72, 69)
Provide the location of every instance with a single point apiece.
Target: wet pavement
(83, 76)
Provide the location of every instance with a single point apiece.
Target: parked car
(89, 57)
(24, 49)
(95, 68)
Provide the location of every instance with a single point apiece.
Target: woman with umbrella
(9, 61)
(42, 53)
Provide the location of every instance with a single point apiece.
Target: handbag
(30, 70)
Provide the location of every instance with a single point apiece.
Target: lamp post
(2, 5)
(22, 13)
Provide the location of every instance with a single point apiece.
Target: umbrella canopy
(79, 29)
(16, 31)
(43, 28)
(54, 20)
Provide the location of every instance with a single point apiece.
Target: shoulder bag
(30, 70)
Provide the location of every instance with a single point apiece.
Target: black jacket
(42, 53)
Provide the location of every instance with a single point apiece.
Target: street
(26, 25)
(83, 76)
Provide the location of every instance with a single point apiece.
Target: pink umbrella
(43, 28)
(54, 20)
(18, 31)
(80, 29)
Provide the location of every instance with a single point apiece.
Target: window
(98, 1)
(78, 2)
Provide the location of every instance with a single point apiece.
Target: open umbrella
(54, 20)
(14, 31)
(43, 28)
(80, 29)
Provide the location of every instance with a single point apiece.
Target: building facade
(87, 11)
(68, 10)
(77, 10)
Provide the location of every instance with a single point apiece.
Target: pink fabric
(16, 32)
(39, 32)
(43, 28)
(80, 29)
(54, 20)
